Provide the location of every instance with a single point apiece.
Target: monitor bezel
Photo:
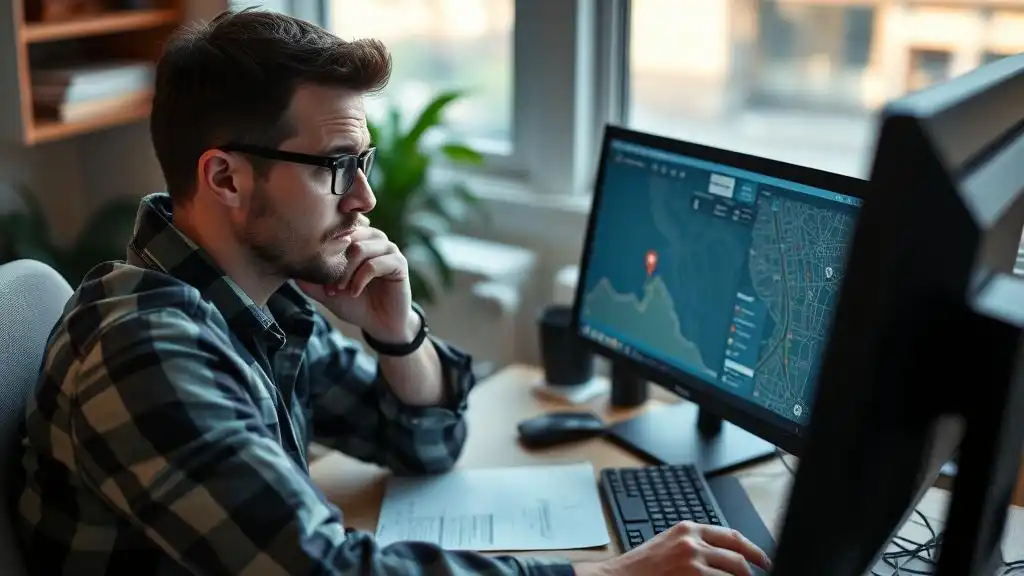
(744, 414)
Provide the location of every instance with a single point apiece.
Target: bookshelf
(97, 38)
(109, 23)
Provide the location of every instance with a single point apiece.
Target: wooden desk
(501, 401)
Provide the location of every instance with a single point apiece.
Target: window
(812, 56)
(438, 45)
(275, 5)
(304, 9)
(799, 80)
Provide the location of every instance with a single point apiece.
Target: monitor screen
(728, 276)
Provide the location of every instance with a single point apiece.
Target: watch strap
(404, 348)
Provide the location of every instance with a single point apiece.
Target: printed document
(505, 509)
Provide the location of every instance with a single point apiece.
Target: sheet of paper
(516, 508)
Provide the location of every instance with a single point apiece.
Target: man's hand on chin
(374, 294)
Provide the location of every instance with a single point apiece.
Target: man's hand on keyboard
(686, 549)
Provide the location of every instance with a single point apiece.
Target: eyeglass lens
(345, 173)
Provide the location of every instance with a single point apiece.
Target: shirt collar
(159, 245)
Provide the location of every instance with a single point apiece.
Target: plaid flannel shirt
(169, 427)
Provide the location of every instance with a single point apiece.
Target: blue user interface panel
(720, 273)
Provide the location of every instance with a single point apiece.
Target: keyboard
(647, 501)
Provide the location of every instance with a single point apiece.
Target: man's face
(293, 223)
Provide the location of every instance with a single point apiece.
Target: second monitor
(716, 275)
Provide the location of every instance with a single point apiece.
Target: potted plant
(26, 234)
(412, 209)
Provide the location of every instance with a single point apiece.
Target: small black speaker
(566, 360)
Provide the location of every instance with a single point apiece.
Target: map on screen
(732, 279)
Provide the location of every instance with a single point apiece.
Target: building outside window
(801, 80)
(796, 80)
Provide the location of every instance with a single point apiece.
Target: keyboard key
(643, 530)
(653, 499)
(632, 509)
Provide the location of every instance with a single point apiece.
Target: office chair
(32, 298)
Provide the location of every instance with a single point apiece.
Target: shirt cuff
(458, 381)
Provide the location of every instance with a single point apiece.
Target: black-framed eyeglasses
(347, 164)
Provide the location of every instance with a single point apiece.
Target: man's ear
(226, 176)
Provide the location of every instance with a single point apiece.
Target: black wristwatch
(404, 349)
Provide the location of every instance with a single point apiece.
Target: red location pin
(651, 261)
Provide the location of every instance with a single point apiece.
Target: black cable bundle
(924, 551)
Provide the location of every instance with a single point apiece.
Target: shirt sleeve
(353, 409)
(167, 434)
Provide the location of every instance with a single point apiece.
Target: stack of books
(84, 91)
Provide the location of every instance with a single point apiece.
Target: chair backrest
(32, 298)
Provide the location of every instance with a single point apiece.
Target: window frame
(564, 90)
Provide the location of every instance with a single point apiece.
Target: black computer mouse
(558, 428)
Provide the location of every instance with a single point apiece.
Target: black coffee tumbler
(566, 360)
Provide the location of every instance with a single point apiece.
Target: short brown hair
(232, 79)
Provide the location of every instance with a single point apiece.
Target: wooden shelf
(49, 130)
(108, 23)
(110, 36)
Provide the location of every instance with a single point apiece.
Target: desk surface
(501, 401)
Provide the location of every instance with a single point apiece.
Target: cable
(924, 551)
(782, 459)
(908, 549)
(1013, 567)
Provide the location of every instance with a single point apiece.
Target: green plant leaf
(114, 221)
(427, 223)
(472, 202)
(443, 269)
(444, 206)
(28, 229)
(457, 204)
(406, 177)
(421, 289)
(26, 233)
(462, 154)
(410, 210)
(393, 131)
(376, 138)
(105, 235)
(430, 117)
(24, 239)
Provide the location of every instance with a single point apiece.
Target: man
(181, 388)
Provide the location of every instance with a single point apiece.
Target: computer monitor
(714, 274)
(926, 350)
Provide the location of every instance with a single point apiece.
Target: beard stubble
(285, 250)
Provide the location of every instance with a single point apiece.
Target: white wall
(554, 233)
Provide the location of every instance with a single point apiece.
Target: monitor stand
(681, 433)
